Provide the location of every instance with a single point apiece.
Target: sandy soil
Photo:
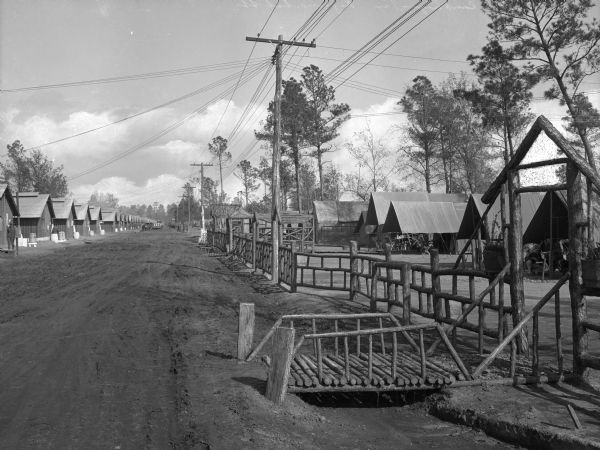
(127, 342)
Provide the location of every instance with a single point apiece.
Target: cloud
(162, 189)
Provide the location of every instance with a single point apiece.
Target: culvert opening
(365, 399)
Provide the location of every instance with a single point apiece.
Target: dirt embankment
(127, 342)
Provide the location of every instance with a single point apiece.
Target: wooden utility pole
(277, 146)
(202, 187)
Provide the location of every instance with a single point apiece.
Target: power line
(395, 41)
(398, 55)
(165, 131)
(242, 74)
(374, 41)
(143, 76)
(153, 108)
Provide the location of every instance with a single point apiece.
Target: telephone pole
(202, 186)
(277, 146)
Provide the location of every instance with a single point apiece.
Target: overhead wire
(374, 41)
(165, 131)
(149, 110)
(143, 76)
(396, 40)
(242, 74)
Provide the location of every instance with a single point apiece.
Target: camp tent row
(450, 217)
(41, 215)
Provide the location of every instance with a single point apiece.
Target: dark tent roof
(530, 202)
(539, 227)
(379, 202)
(361, 222)
(421, 217)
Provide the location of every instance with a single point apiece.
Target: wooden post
(353, 269)
(293, 270)
(230, 233)
(434, 255)
(479, 249)
(505, 225)
(389, 273)
(515, 252)
(578, 303)
(406, 294)
(254, 238)
(281, 360)
(245, 330)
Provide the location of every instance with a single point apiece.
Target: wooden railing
(533, 315)
(242, 247)
(401, 279)
(323, 271)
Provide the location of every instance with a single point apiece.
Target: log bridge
(350, 352)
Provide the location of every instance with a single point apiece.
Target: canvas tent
(437, 219)
(530, 202)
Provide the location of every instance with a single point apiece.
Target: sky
(199, 49)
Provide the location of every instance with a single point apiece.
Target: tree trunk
(297, 168)
(320, 165)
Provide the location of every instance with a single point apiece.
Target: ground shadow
(256, 383)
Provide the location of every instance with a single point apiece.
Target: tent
(530, 202)
(336, 221)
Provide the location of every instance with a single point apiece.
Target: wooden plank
(281, 358)
(245, 330)
(545, 162)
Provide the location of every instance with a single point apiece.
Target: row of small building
(41, 215)
(448, 218)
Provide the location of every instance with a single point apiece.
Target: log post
(293, 270)
(230, 233)
(281, 360)
(578, 303)
(434, 256)
(245, 330)
(515, 252)
(353, 269)
(389, 273)
(406, 294)
(254, 238)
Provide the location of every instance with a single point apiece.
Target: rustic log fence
(416, 289)
(356, 352)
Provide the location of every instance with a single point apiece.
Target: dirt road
(127, 342)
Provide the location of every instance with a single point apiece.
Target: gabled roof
(63, 208)
(421, 217)
(108, 215)
(379, 202)
(331, 212)
(234, 211)
(5, 192)
(81, 211)
(94, 212)
(540, 124)
(32, 204)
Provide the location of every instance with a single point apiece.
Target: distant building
(8, 210)
(82, 219)
(36, 212)
(64, 215)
